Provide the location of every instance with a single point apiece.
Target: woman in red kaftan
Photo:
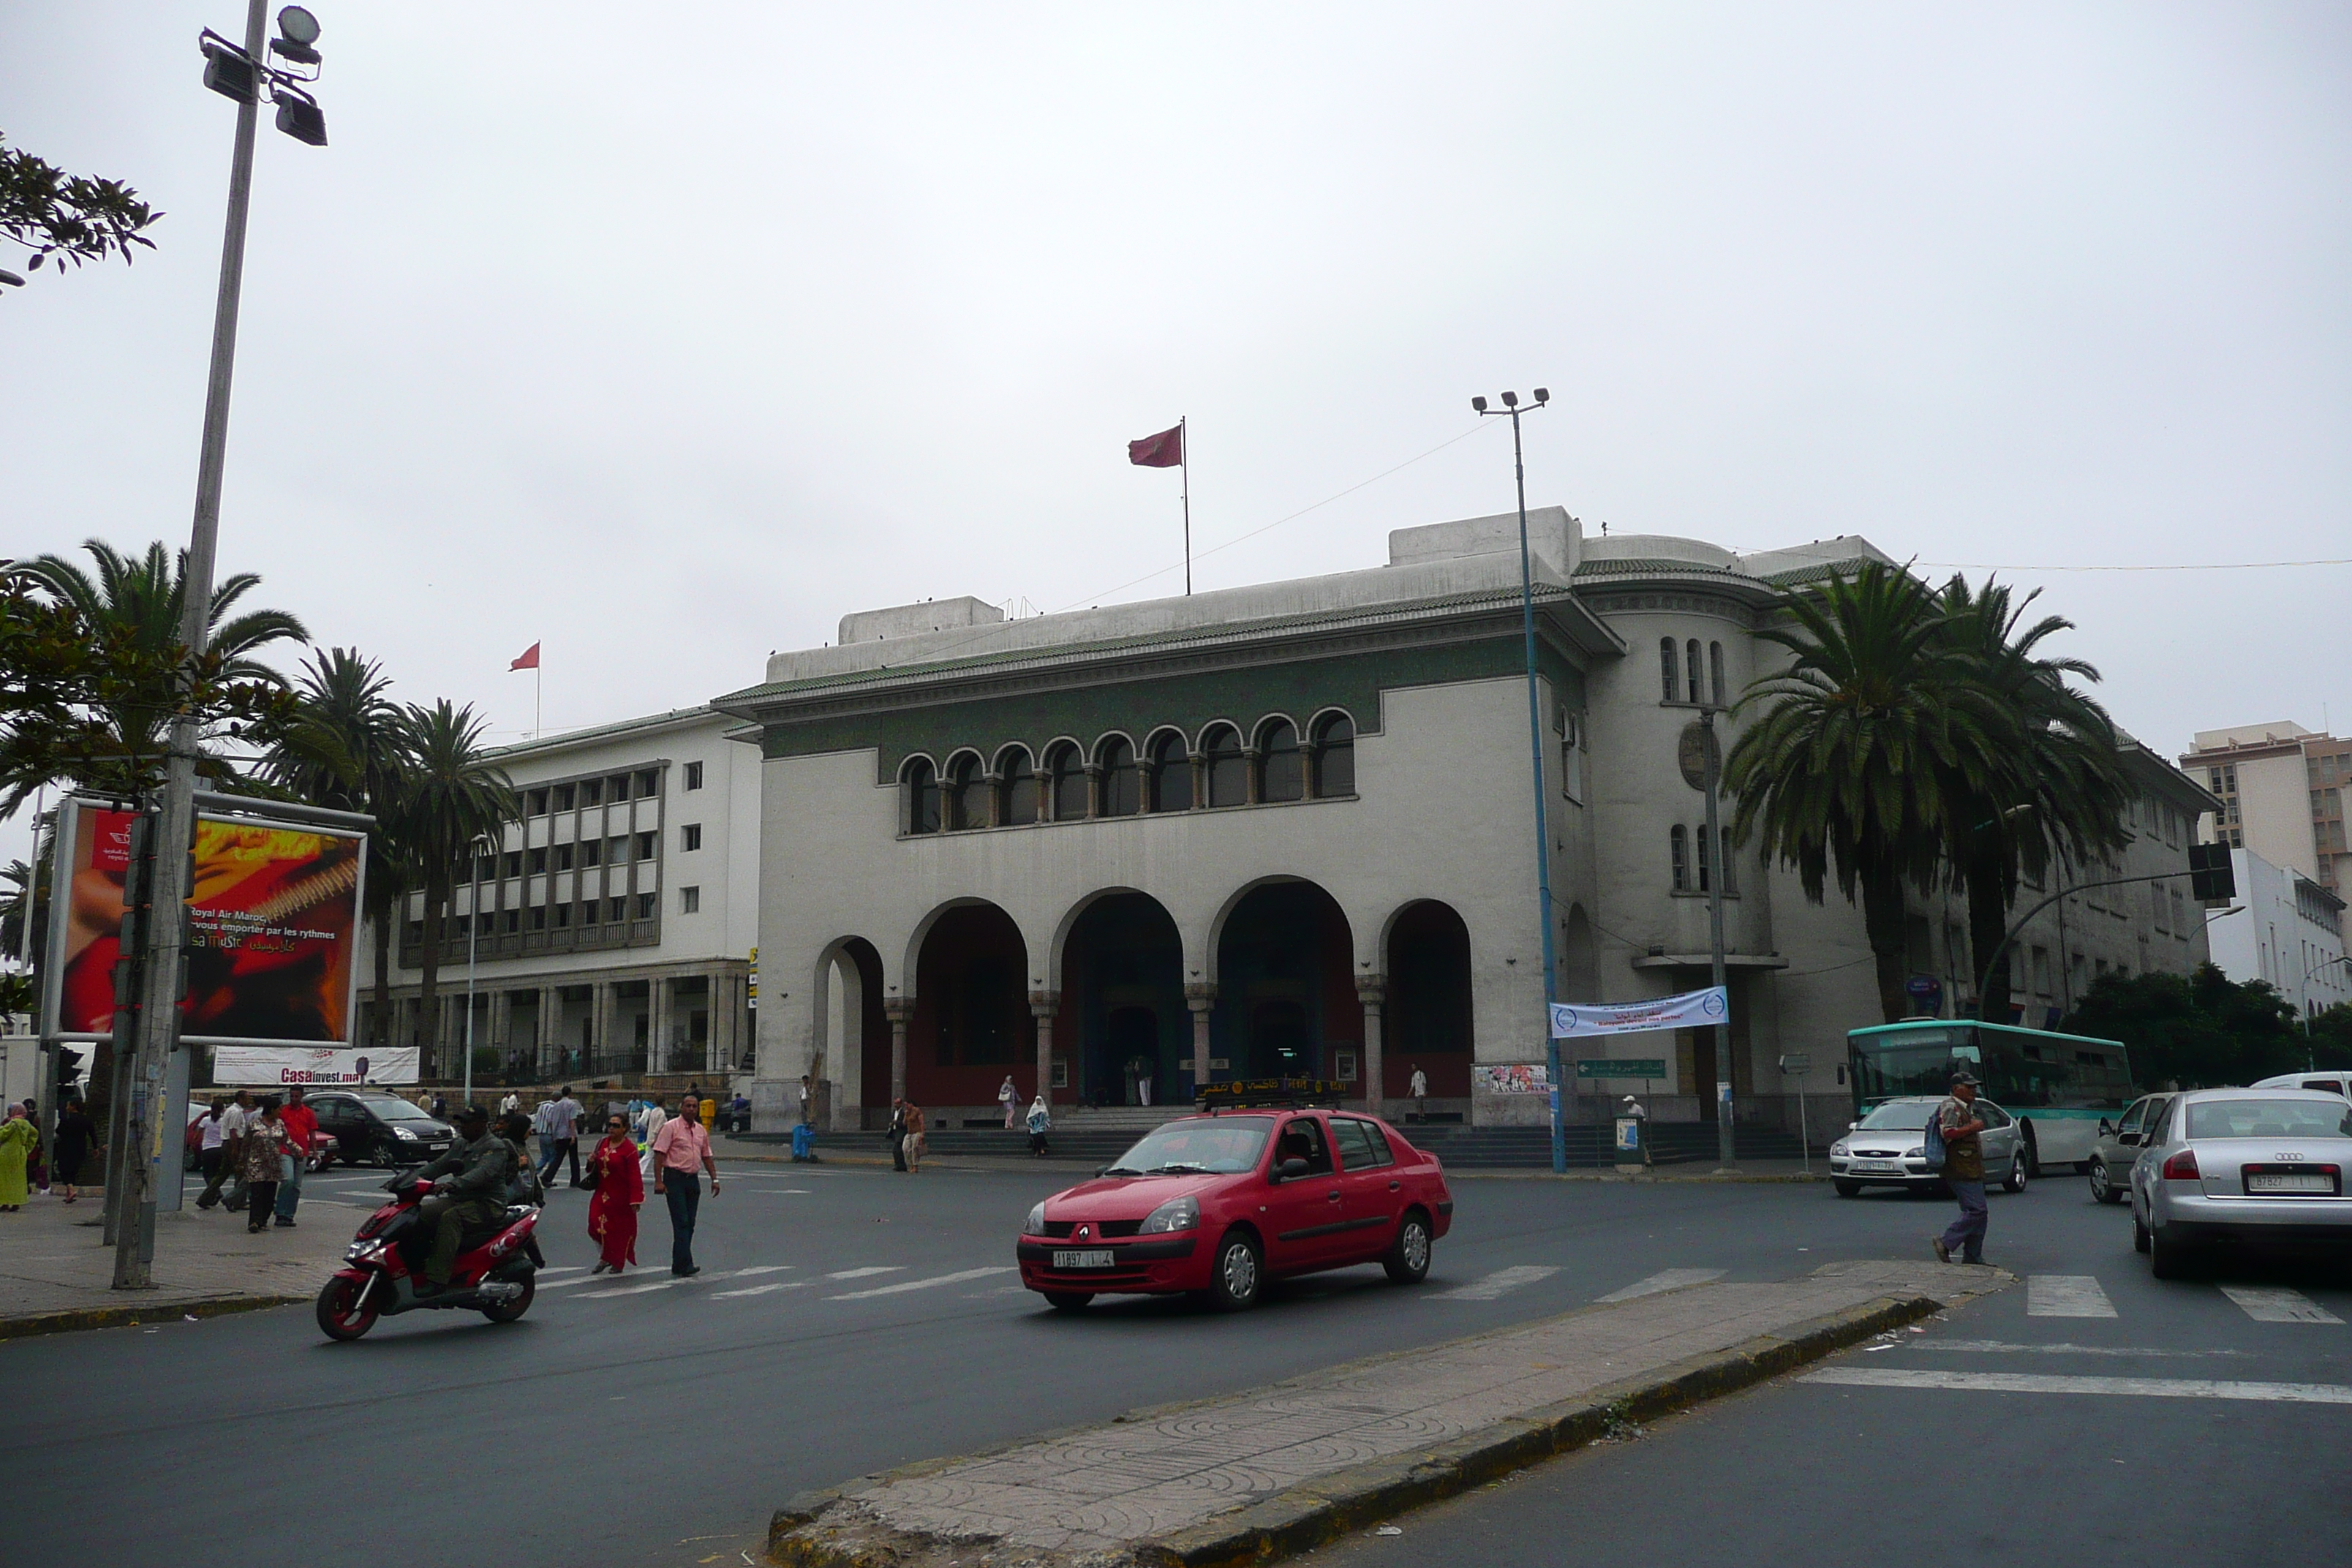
(620, 1192)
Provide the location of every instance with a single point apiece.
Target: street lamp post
(1510, 401)
(245, 75)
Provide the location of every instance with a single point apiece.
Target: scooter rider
(470, 1188)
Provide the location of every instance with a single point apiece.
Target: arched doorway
(1286, 1001)
(1429, 1012)
(972, 1023)
(1123, 1022)
(850, 1049)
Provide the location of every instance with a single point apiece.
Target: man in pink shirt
(681, 1153)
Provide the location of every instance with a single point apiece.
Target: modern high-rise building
(2282, 790)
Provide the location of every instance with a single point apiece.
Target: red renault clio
(1269, 1181)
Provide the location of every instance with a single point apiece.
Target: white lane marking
(2003, 1347)
(761, 1290)
(2277, 1304)
(668, 1284)
(764, 1268)
(1666, 1280)
(1494, 1284)
(567, 1268)
(2066, 1296)
(2040, 1382)
(956, 1278)
(862, 1273)
(560, 1284)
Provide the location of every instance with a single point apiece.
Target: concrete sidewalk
(1280, 1469)
(55, 1276)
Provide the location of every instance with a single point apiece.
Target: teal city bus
(2058, 1086)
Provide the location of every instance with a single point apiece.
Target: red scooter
(495, 1274)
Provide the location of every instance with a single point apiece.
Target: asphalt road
(1851, 1461)
(852, 1319)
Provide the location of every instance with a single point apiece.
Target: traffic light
(2212, 879)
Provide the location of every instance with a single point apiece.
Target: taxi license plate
(1085, 1259)
(1877, 1164)
(2290, 1182)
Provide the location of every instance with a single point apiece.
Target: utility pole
(1713, 863)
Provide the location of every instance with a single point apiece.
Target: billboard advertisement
(253, 1066)
(273, 928)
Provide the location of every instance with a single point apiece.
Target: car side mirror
(2105, 1127)
(1852, 1125)
(1289, 1170)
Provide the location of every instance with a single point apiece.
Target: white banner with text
(251, 1066)
(1691, 1010)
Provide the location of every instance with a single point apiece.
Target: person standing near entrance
(1041, 1122)
(895, 1135)
(681, 1153)
(76, 1136)
(563, 1129)
(1419, 1094)
(1962, 1126)
(1010, 1098)
(914, 1145)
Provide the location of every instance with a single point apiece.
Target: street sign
(1627, 1067)
(1797, 1061)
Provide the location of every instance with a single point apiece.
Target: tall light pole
(242, 74)
(1510, 401)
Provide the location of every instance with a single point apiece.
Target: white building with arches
(1283, 828)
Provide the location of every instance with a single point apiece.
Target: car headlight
(1036, 1223)
(1176, 1214)
(1917, 1152)
(1839, 1149)
(404, 1132)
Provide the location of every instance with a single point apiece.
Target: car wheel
(2020, 1167)
(1068, 1300)
(1408, 1257)
(1237, 1274)
(2167, 1259)
(2139, 1236)
(1847, 1189)
(2103, 1188)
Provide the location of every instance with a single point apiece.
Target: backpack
(1932, 1145)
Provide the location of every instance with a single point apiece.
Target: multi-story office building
(612, 929)
(2284, 928)
(2281, 789)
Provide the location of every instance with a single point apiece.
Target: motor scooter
(495, 1274)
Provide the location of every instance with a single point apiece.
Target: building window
(514, 862)
(1280, 772)
(563, 857)
(1228, 769)
(1678, 847)
(1571, 758)
(616, 849)
(649, 781)
(689, 836)
(694, 775)
(1705, 858)
(1172, 772)
(1335, 756)
(563, 917)
(535, 803)
(689, 900)
(1668, 680)
(1714, 673)
(592, 851)
(591, 792)
(1690, 656)
(649, 905)
(1067, 774)
(616, 910)
(1016, 787)
(565, 797)
(918, 788)
(485, 868)
(967, 792)
(1122, 793)
(512, 922)
(617, 788)
(645, 846)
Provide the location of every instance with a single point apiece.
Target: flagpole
(1184, 467)
(535, 692)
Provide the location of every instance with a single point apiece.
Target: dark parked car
(377, 1129)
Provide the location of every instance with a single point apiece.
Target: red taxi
(1215, 1205)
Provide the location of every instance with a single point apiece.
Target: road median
(1271, 1472)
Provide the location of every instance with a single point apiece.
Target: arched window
(1678, 845)
(1016, 787)
(920, 797)
(1172, 772)
(1066, 774)
(1714, 673)
(1705, 857)
(1690, 658)
(1228, 769)
(967, 795)
(1335, 756)
(1668, 675)
(1279, 773)
(1121, 791)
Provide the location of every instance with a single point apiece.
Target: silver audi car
(1884, 1149)
(2249, 1167)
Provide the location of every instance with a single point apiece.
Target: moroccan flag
(1165, 450)
(530, 659)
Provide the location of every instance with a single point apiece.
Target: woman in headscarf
(1041, 1122)
(620, 1191)
(17, 1139)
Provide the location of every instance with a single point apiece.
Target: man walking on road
(563, 1127)
(232, 1152)
(681, 1153)
(1961, 1123)
(914, 1145)
(897, 1134)
(302, 1132)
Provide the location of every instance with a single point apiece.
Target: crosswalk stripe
(1494, 1284)
(863, 1273)
(2039, 1382)
(955, 1279)
(761, 1290)
(2065, 1296)
(1664, 1279)
(647, 1290)
(2277, 1304)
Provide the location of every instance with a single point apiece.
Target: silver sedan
(2245, 1167)
(1884, 1149)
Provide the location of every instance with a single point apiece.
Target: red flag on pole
(1165, 450)
(530, 659)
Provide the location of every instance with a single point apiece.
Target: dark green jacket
(480, 1170)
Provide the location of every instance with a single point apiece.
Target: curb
(1315, 1513)
(74, 1319)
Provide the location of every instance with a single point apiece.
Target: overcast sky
(666, 335)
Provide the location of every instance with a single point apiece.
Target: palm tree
(139, 600)
(16, 906)
(1847, 764)
(456, 799)
(2054, 792)
(347, 748)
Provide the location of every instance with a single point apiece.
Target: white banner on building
(1691, 1010)
(252, 1066)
